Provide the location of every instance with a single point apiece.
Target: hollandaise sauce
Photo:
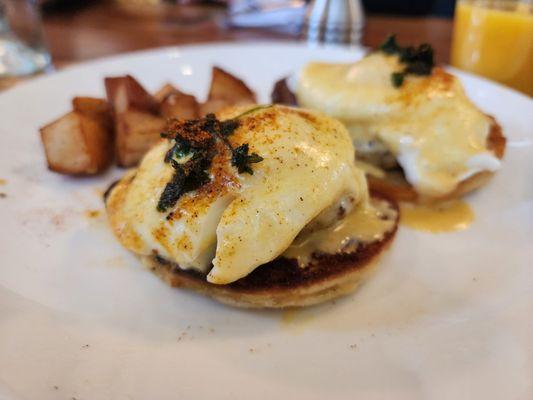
(443, 217)
(363, 225)
(428, 125)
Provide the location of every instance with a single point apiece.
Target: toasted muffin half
(282, 282)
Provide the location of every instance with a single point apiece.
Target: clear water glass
(22, 46)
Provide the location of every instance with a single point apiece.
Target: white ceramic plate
(446, 316)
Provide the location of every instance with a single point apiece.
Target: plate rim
(232, 44)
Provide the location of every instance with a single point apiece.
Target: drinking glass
(22, 47)
(494, 38)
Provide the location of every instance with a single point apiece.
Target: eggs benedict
(419, 135)
(258, 206)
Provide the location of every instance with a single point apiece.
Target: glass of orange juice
(494, 38)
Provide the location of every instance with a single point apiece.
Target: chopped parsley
(390, 45)
(252, 110)
(193, 149)
(397, 78)
(418, 60)
(242, 160)
(185, 179)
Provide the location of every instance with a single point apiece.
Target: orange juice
(495, 39)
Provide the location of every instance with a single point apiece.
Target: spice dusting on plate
(92, 213)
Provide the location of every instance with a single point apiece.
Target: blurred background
(36, 35)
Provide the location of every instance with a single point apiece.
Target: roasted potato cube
(164, 91)
(77, 144)
(228, 87)
(136, 132)
(136, 116)
(173, 103)
(226, 90)
(94, 108)
(125, 93)
(180, 105)
(281, 94)
(90, 105)
(213, 105)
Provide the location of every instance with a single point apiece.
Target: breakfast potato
(227, 86)
(95, 108)
(164, 91)
(90, 105)
(125, 93)
(173, 103)
(82, 142)
(77, 144)
(226, 90)
(136, 132)
(213, 105)
(136, 118)
(180, 105)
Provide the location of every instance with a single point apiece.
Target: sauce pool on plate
(450, 216)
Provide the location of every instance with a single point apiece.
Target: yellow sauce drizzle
(455, 215)
(364, 224)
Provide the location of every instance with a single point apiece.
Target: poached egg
(436, 134)
(239, 221)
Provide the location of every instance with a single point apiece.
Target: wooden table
(103, 29)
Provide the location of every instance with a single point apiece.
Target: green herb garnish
(172, 192)
(242, 160)
(188, 176)
(193, 150)
(252, 110)
(419, 60)
(397, 78)
(390, 46)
